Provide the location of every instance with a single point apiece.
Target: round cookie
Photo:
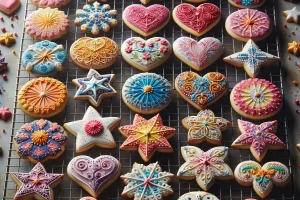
(94, 175)
(47, 24)
(147, 93)
(247, 3)
(88, 198)
(256, 98)
(198, 196)
(43, 97)
(50, 3)
(246, 24)
(40, 141)
(146, 55)
(9, 6)
(44, 58)
(95, 18)
(94, 53)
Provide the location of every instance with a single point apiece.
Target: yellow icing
(40, 137)
(7, 39)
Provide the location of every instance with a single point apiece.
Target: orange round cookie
(43, 97)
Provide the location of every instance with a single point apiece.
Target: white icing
(292, 15)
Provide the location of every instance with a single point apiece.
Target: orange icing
(40, 137)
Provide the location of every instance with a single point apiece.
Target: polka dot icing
(95, 18)
(256, 97)
(40, 139)
(50, 3)
(44, 58)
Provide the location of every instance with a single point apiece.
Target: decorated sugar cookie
(94, 175)
(50, 3)
(40, 141)
(196, 20)
(199, 91)
(258, 138)
(246, 24)
(146, 93)
(94, 87)
(251, 58)
(88, 198)
(198, 196)
(263, 178)
(147, 136)
(147, 182)
(47, 24)
(198, 55)
(94, 53)
(43, 97)
(205, 127)
(95, 18)
(7, 39)
(30, 184)
(256, 98)
(146, 55)
(44, 58)
(205, 167)
(146, 20)
(294, 48)
(292, 15)
(9, 6)
(247, 3)
(93, 130)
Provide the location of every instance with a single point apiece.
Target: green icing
(246, 168)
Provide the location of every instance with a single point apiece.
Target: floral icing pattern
(259, 138)
(50, 3)
(147, 182)
(256, 97)
(147, 136)
(205, 127)
(201, 91)
(96, 17)
(44, 58)
(262, 178)
(39, 139)
(37, 183)
(205, 167)
(198, 196)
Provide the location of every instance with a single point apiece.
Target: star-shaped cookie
(251, 58)
(259, 138)
(7, 39)
(36, 184)
(294, 48)
(292, 15)
(147, 136)
(94, 87)
(93, 130)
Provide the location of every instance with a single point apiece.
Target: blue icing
(247, 2)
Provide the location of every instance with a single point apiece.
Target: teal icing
(246, 168)
(276, 168)
(247, 2)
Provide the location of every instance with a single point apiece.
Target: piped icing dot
(36, 181)
(257, 94)
(40, 137)
(249, 22)
(147, 89)
(93, 127)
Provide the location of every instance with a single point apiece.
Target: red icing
(4, 113)
(93, 127)
(198, 18)
(38, 151)
(146, 19)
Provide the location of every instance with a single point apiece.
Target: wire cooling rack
(178, 109)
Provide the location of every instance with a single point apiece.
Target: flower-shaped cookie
(205, 127)
(262, 178)
(205, 167)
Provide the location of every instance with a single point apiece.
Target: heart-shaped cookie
(9, 6)
(146, 20)
(199, 91)
(146, 55)
(94, 175)
(196, 20)
(198, 55)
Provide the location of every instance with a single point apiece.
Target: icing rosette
(50, 3)
(40, 140)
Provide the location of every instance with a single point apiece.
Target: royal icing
(94, 53)
(147, 91)
(246, 3)
(88, 198)
(263, 177)
(294, 48)
(7, 39)
(205, 127)
(198, 196)
(43, 96)
(146, 54)
(50, 3)
(256, 97)
(40, 139)
(4, 113)
(37, 183)
(47, 23)
(3, 64)
(96, 17)
(201, 91)
(292, 15)
(147, 136)
(43, 58)
(93, 130)
(147, 182)
(251, 58)
(198, 55)
(205, 167)
(9, 6)
(249, 23)
(259, 138)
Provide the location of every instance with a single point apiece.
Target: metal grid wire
(225, 190)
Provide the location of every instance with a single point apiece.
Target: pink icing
(8, 4)
(50, 3)
(249, 23)
(93, 127)
(146, 18)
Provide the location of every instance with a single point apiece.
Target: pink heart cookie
(9, 6)
(198, 55)
(196, 20)
(146, 20)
